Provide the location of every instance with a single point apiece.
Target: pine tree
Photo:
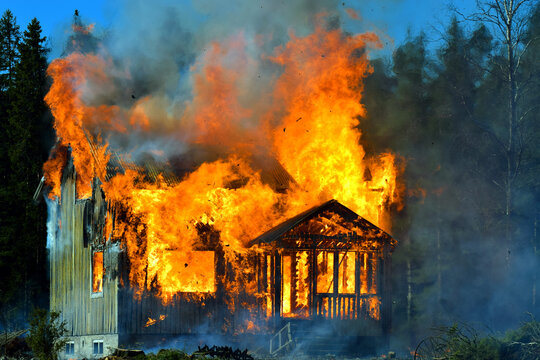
(459, 182)
(409, 120)
(81, 40)
(27, 119)
(9, 40)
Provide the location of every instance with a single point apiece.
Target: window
(98, 347)
(347, 271)
(97, 272)
(325, 272)
(70, 348)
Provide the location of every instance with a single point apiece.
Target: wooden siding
(181, 316)
(118, 311)
(70, 269)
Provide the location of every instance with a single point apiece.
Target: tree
(509, 21)
(23, 222)
(81, 40)
(9, 40)
(47, 332)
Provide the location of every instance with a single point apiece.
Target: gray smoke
(157, 53)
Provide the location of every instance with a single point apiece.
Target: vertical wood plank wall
(70, 271)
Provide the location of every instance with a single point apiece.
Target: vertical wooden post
(335, 304)
(265, 282)
(277, 289)
(357, 284)
(369, 271)
(386, 311)
(313, 291)
(294, 281)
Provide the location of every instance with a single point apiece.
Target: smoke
(164, 71)
(196, 81)
(52, 221)
(453, 251)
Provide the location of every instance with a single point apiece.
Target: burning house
(326, 265)
(265, 231)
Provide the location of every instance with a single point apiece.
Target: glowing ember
(151, 321)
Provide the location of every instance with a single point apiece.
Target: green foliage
(169, 354)
(46, 336)
(462, 342)
(9, 40)
(444, 109)
(527, 332)
(465, 344)
(25, 126)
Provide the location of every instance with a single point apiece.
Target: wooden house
(324, 266)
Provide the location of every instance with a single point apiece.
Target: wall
(70, 267)
(84, 346)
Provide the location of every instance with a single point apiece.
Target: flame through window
(97, 272)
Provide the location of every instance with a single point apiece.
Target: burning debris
(223, 352)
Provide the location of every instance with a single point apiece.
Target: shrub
(47, 332)
(169, 354)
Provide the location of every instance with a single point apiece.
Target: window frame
(96, 294)
(98, 343)
(70, 348)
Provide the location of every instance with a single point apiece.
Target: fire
(321, 87)
(152, 321)
(172, 228)
(97, 272)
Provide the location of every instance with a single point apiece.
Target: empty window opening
(97, 272)
(325, 272)
(286, 277)
(295, 285)
(347, 270)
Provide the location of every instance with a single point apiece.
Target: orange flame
(167, 227)
(97, 272)
(152, 321)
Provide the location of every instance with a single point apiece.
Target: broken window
(97, 272)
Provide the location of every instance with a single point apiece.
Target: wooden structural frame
(368, 247)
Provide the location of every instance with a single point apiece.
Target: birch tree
(508, 21)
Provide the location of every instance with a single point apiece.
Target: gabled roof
(331, 205)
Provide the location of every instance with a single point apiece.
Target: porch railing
(346, 306)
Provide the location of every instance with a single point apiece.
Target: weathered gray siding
(71, 269)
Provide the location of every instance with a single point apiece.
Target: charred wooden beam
(277, 289)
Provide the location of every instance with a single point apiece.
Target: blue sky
(390, 17)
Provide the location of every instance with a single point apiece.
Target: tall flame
(311, 129)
